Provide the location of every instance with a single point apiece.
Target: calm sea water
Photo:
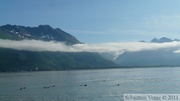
(101, 85)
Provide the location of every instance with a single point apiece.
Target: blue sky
(98, 21)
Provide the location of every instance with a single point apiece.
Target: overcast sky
(98, 21)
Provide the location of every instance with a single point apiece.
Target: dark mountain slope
(42, 32)
(13, 60)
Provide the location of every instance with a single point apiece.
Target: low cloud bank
(115, 48)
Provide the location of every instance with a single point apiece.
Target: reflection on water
(87, 85)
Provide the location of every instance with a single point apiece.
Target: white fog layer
(115, 48)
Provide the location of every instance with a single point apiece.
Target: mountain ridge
(167, 56)
(163, 40)
(42, 32)
(24, 60)
(149, 58)
(14, 60)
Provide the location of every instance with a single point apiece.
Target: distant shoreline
(95, 68)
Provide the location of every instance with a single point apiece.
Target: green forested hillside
(14, 60)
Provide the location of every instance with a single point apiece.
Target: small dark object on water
(49, 86)
(22, 88)
(84, 85)
(45, 87)
(117, 84)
